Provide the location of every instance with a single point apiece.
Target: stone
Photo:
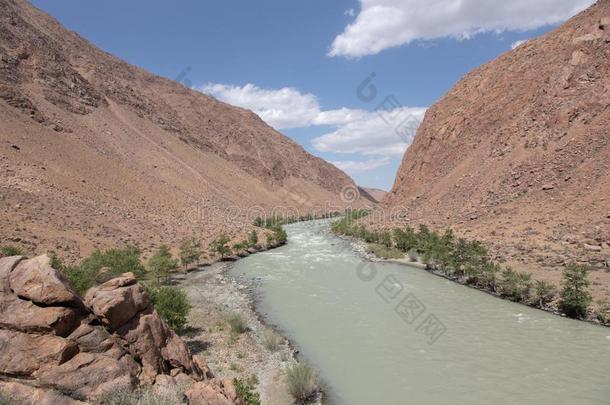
(22, 393)
(22, 354)
(35, 280)
(88, 375)
(547, 187)
(213, 393)
(117, 301)
(24, 316)
(592, 248)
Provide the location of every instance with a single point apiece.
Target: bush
(575, 296)
(162, 263)
(190, 251)
(237, 323)
(220, 246)
(8, 251)
(253, 239)
(271, 340)
(302, 382)
(172, 304)
(467, 257)
(601, 311)
(117, 262)
(245, 391)
(405, 240)
(514, 285)
(544, 293)
(384, 252)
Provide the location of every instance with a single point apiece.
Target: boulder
(213, 393)
(22, 354)
(24, 316)
(35, 280)
(22, 393)
(88, 376)
(117, 301)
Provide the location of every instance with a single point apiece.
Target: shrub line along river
(385, 333)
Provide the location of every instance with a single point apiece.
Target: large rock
(20, 315)
(213, 393)
(117, 301)
(22, 354)
(36, 280)
(22, 393)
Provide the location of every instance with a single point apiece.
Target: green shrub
(384, 252)
(190, 251)
(302, 382)
(385, 238)
(220, 246)
(575, 296)
(172, 304)
(544, 293)
(272, 340)
(253, 238)
(245, 391)
(8, 251)
(601, 311)
(162, 263)
(467, 257)
(237, 323)
(405, 240)
(516, 286)
(258, 222)
(489, 275)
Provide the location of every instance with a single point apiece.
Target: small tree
(575, 296)
(190, 251)
(172, 304)
(162, 263)
(253, 239)
(220, 246)
(545, 292)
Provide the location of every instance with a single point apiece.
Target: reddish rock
(213, 392)
(39, 396)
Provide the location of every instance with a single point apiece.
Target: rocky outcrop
(517, 154)
(55, 347)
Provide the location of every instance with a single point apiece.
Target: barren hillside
(93, 150)
(517, 154)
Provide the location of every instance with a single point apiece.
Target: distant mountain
(373, 194)
(518, 153)
(92, 148)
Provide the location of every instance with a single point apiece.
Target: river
(390, 334)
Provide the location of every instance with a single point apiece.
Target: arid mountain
(517, 154)
(373, 194)
(93, 149)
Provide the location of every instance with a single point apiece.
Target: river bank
(360, 247)
(215, 296)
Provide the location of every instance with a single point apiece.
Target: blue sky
(299, 64)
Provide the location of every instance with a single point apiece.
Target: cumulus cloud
(381, 133)
(377, 136)
(383, 24)
(282, 108)
(352, 166)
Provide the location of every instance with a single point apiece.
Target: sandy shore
(214, 296)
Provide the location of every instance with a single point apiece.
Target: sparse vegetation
(272, 340)
(103, 266)
(172, 304)
(146, 396)
(8, 251)
(253, 238)
(544, 292)
(161, 264)
(237, 323)
(384, 252)
(190, 251)
(302, 382)
(245, 390)
(575, 296)
(220, 246)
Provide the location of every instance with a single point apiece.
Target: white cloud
(374, 134)
(379, 135)
(352, 166)
(383, 24)
(517, 44)
(350, 12)
(283, 108)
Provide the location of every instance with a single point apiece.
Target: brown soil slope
(518, 153)
(92, 148)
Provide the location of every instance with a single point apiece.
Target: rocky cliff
(92, 148)
(517, 154)
(57, 348)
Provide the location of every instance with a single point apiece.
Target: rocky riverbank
(215, 297)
